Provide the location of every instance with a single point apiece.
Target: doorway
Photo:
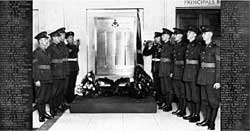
(198, 17)
(112, 42)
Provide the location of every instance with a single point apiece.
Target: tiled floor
(160, 121)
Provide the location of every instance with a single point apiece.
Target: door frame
(95, 12)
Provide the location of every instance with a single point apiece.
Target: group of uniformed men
(189, 68)
(55, 68)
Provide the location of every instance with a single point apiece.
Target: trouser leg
(71, 86)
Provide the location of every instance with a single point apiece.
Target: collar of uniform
(193, 43)
(61, 43)
(181, 43)
(211, 44)
(157, 44)
(168, 43)
(52, 43)
(41, 50)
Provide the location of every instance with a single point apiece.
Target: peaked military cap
(157, 34)
(206, 28)
(179, 31)
(41, 35)
(70, 33)
(61, 30)
(194, 29)
(54, 33)
(166, 31)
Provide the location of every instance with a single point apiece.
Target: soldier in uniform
(66, 70)
(190, 74)
(56, 70)
(209, 77)
(179, 57)
(155, 50)
(42, 75)
(166, 68)
(73, 64)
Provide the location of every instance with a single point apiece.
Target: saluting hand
(77, 42)
(171, 75)
(38, 83)
(217, 85)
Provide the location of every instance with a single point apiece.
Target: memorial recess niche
(112, 42)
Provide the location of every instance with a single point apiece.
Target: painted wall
(52, 14)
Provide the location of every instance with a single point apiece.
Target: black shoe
(176, 112)
(187, 117)
(53, 114)
(159, 103)
(203, 123)
(181, 114)
(47, 116)
(162, 106)
(194, 118)
(167, 108)
(63, 107)
(211, 126)
(41, 119)
(60, 108)
(66, 106)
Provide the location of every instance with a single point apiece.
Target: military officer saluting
(154, 49)
(209, 77)
(42, 75)
(57, 71)
(191, 72)
(179, 57)
(73, 47)
(166, 69)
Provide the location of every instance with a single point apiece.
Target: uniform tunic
(166, 68)
(155, 51)
(179, 57)
(73, 53)
(65, 53)
(191, 71)
(74, 68)
(58, 75)
(66, 70)
(56, 62)
(42, 73)
(209, 74)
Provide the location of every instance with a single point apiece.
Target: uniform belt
(192, 62)
(45, 67)
(57, 60)
(156, 59)
(179, 62)
(207, 65)
(165, 60)
(64, 59)
(72, 59)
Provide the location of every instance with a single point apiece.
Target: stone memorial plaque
(15, 65)
(235, 65)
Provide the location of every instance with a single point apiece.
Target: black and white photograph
(124, 65)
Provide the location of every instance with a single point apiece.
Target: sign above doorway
(201, 3)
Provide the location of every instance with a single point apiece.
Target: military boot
(168, 106)
(179, 105)
(191, 112)
(206, 115)
(40, 113)
(211, 125)
(183, 108)
(196, 116)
